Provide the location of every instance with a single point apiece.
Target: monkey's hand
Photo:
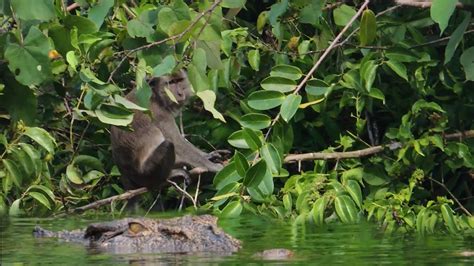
(180, 173)
(219, 156)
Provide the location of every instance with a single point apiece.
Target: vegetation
(382, 92)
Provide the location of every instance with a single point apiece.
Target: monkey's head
(172, 91)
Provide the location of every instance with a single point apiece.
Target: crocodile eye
(135, 228)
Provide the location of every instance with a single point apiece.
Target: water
(359, 244)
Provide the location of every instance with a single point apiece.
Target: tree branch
(421, 4)
(452, 196)
(132, 193)
(363, 152)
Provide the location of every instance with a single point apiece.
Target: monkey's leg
(158, 166)
(188, 154)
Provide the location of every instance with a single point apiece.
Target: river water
(359, 244)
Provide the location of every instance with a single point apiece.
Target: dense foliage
(390, 107)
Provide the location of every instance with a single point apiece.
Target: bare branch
(133, 193)
(364, 152)
(421, 4)
(452, 196)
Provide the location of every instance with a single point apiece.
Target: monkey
(148, 154)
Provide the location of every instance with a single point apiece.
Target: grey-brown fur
(147, 155)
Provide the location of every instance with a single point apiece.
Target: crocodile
(187, 234)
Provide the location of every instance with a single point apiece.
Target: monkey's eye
(176, 80)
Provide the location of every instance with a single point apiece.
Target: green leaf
(165, 67)
(15, 208)
(29, 62)
(290, 106)
(42, 137)
(208, 97)
(398, 68)
(166, 18)
(317, 87)
(368, 72)
(82, 24)
(137, 28)
(278, 84)
(264, 100)
(47, 191)
(318, 210)
(20, 102)
(251, 138)
(262, 21)
(311, 13)
(271, 155)
(226, 176)
(343, 14)
(255, 174)
(34, 155)
(467, 61)
(72, 59)
(232, 210)
(456, 38)
(26, 163)
(241, 163)
(114, 115)
(345, 209)
(286, 71)
(198, 78)
(13, 172)
(287, 202)
(368, 28)
(212, 52)
(353, 188)
(40, 198)
(276, 11)
(377, 94)
(354, 174)
(98, 12)
(88, 161)
(254, 59)
(375, 178)
(449, 218)
(441, 11)
(233, 3)
(237, 140)
(255, 121)
(73, 175)
(42, 10)
(127, 103)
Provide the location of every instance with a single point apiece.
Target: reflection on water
(345, 244)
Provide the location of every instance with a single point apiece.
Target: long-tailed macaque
(147, 155)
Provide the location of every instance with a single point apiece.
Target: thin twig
(72, 7)
(452, 196)
(124, 196)
(363, 152)
(183, 191)
(197, 188)
(438, 40)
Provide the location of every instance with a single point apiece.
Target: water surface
(358, 244)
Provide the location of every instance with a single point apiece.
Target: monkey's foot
(180, 173)
(218, 156)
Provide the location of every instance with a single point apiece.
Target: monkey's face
(173, 91)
